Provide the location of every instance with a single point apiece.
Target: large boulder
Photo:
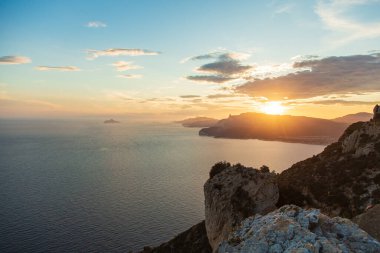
(293, 229)
(370, 221)
(342, 180)
(233, 193)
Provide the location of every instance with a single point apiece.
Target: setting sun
(274, 108)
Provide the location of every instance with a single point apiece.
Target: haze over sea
(75, 186)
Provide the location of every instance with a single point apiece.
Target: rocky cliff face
(233, 193)
(293, 229)
(343, 180)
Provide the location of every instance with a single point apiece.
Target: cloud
(189, 96)
(92, 54)
(58, 68)
(130, 76)
(334, 15)
(225, 67)
(96, 24)
(14, 60)
(218, 96)
(343, 102)
(123, 66)
(209, 79)
(331, 75)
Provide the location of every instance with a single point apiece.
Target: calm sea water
(69, 186)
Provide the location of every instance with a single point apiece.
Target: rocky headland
(284, 128)
(306, 208)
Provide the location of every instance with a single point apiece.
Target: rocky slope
(342, 180)
(293, 229)
(276, 127)
(193, 240)
(233, 193)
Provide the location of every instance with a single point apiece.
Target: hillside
(276, 127)
(352, 118)
(342, 180)
(198, 122)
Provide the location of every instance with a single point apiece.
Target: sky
(177, 59)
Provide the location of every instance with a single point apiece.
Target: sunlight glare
(274, 108)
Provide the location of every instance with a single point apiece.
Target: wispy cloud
(92, 54)
(226, 66)
(123, 66)
(189, 96)
(333, 14)
(58, 68)
(319, 77)
(14, 60)
(96, 24)
(130, 76)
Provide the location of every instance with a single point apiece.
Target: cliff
(342, 180)
(276, 127)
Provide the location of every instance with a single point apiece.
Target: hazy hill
(352, 118)
(198, 122)
(276, 127)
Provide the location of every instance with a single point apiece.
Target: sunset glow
(274, 108)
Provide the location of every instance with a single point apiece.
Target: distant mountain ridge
(276, 127)
(355, 117)
(198, 122)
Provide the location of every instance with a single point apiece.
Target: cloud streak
(93, 54)
(334, 16)
(130, 76)
(332, 75)
(58, 68)
(8, 60)
(124, 66)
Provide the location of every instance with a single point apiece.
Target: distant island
(198, 122)
(111, 121)
(285, 128)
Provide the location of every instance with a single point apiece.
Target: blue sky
(54, 35)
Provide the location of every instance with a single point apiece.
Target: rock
(342, 180)
(293, 229)
(193, 240)
(370, 221)
(233, 193)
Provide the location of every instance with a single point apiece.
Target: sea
(80, 185)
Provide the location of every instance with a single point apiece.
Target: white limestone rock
(293, 229)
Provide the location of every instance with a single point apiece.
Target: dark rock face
(193, 240)
(369, 221)
(342, 180)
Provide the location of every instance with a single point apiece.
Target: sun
(274, 108)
